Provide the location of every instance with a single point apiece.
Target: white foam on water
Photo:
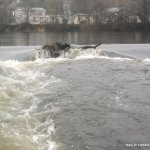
(19, 125)
(83, 54)
(95, 53)
(71, 54)
(78, 53)
(146, 60)
(52, 145)
(116, 58)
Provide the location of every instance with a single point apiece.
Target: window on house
(40, 13)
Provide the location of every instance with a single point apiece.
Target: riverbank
(73, 27)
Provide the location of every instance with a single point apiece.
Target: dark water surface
(26, 39)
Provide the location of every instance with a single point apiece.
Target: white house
(37, 15)
(54, 19)
(113, 10)
(32, 15)
(20, 15)
(83, 18)
(110, 14)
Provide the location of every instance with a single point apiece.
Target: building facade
(20, 15)
(30, 15)
(37, 15)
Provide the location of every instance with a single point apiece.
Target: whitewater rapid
(21, 127)
(89, 99)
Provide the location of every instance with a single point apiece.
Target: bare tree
(144, 11)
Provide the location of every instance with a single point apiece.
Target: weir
(139, 51)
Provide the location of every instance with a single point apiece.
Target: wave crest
(78, 53)
(146, 60)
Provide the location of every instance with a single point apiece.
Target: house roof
(31, 9)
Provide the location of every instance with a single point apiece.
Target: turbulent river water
(84, 100)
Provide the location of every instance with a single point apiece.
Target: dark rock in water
(55, 49)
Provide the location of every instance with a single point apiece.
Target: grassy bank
(81, 27)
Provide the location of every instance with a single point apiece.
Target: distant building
(30, 15)
(110, 15)
(54, 19)
(113, 10)
(134, 19)
(37, 15)
(83, 18)
(20, 15)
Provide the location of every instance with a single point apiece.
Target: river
(26, 39)
(84, 100)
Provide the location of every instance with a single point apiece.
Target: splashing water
(20, 127)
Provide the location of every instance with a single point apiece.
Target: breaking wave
(146, 60)
(81, 54)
